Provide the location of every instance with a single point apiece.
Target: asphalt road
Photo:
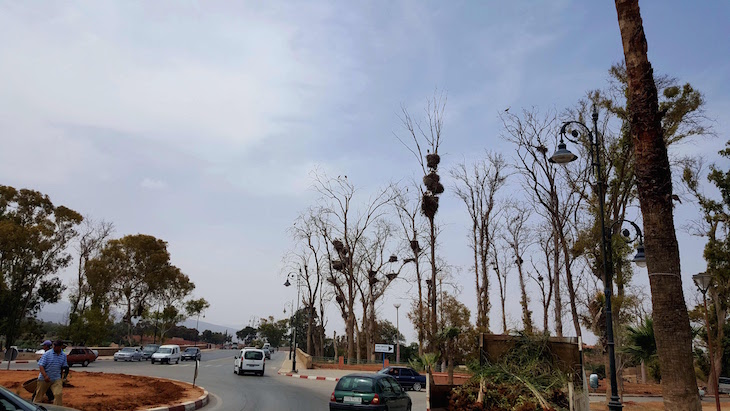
(231, 392)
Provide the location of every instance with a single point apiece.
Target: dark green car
(369, 392)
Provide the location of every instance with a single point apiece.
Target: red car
(80, 355)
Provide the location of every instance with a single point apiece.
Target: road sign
(384, 348)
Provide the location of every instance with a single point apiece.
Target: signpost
(385, 349)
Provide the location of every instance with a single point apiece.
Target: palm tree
(654, 187)
(640, 344)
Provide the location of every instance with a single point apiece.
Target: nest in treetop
(373, 280)
(338, 265)
(339, 299)
(393, 258)
(372, 273)
(432, 160)
(431, 179)
(391, 276)
(438, 189)
(339, 246)
(415, 247)
(429, 205)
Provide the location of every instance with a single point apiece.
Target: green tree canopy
(133, 273)
(34, 235)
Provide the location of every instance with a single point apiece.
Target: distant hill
(58, 313)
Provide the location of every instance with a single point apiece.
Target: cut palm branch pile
(524, 379)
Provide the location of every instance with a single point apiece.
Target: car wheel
(115, 359)
(177, 361)
(153, 361)
(85, 363)
(417, 386)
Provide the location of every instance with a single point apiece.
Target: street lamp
(397, 334)
(293, 345)
(703, 281)
(564, 156)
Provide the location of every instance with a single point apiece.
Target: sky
(200, 122)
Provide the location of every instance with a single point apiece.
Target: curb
(309, 377)
(186, 406)
(18, 362)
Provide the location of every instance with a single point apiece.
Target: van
(249, 360)
(167, 354)
(724, 385)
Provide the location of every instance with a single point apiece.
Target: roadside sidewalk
(313, 374)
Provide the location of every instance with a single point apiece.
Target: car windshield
(355, 384)
(191, 350)
(164, 350)
(150, 348)
(253, 355)
(128, 349)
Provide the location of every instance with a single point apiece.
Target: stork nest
(432, 160)
(429, 205)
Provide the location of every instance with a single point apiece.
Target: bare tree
(544, 282)
(517, 236)
(555, 196)
(428, 135)
(92, 236)
(501, 263)
(346, 228)
(477, 187)
(375, 258)
(411, 225)
(309, 261)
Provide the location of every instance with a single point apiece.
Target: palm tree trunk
(654, 183)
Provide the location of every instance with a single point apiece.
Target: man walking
(47, 344)
(50, 365)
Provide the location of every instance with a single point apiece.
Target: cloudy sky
(200, 122)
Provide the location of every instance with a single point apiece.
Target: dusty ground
(91, 391)
(650, 406)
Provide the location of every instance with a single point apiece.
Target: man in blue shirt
(47, 346)
(51, 364)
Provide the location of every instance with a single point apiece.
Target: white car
(249, 360)
(167, 354)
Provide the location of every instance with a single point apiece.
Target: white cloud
(153, 184)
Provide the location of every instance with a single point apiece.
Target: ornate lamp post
(703, 282)
(293, 345)
(564, 156)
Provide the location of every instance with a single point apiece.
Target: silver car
(128, 354)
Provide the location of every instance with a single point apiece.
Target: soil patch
(647, 406)
(92, 391)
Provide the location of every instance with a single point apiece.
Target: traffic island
(91, 391)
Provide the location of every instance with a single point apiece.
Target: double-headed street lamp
(564, 156)
(703, 282)
(293, 345)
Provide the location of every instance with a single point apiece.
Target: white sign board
(384, 348)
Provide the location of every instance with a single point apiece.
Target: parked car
(148, 350)
(11, 401)
(267, 352)
(128, 354)
(80, 355)
(167, 354)
(190, 353)
(407, 377)
(724, 385)
(369, 392)
(249, 360)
